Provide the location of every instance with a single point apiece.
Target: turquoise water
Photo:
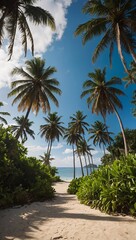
(66, 173)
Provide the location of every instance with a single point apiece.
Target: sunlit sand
(63, 218)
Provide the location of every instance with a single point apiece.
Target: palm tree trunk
(132, 52)
(81, 165)
(120, 50)
(23, 124)
(50, 146)
(89, 162)
(74, 169)
(92, 161)
(86, 165)
(122, 129)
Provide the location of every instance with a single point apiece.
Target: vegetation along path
(63, 218)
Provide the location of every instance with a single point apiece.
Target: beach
(63, 218)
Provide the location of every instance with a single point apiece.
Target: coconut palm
(72, 138)
(46, 159)
(35, 89)
(103, 96)
(15, 15)
(78, 122)
(52, 130)
(79, 154)
(26, 129)
(115, 21)
(131, 77)
(99, 134)
(82, 150)
(2, 119)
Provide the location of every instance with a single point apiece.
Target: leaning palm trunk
(23, 124)
(74, 169)
(120, 51)
(86, 165)
(132, 53)
(122, 129)
(82, 171)
(89, 162)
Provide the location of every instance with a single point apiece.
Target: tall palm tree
(52, 130)
(15, 15)
(35, 89)
(46, 159)
(26, 130)
(72, 138)
(99, 134)
(82, 150)
(104, 96)
(78, 122)
(115, 21)
(2, 119)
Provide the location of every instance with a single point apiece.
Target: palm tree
(115, 21)
(52, 130)
(72, 138)
(35, 89)
(90, 157)
(46, 159)
(14, 15)
(99, 134)
(26, 130)
(78, 123)
(104, 96)
(2, 119)
(82, 150)
(131, 77)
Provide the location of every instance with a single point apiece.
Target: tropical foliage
(2, 119)
(15, 15)
(103, 96)
(113, 20)
(52, 130)
(116, 148)
(36, 88)
(111, 188)
(23, 179)
(26, 130)
(99, 134)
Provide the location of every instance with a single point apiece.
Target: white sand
(64, 218)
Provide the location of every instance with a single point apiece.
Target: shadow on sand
(26, 219)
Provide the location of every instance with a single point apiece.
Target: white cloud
(67, 151)
(60, 145)
(43, 38)
(34, 148)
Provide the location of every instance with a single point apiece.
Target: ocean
(66, 173)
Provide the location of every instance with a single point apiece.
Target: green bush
(22, 179)
(112, 188)
(74, 185)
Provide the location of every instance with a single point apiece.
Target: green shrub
(74, 185)
(22, 179)
(112, 188)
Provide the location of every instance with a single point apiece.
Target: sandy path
(63, 218)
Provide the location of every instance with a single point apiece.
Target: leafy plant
(112, 188)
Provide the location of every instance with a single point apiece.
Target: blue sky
(73, 62)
